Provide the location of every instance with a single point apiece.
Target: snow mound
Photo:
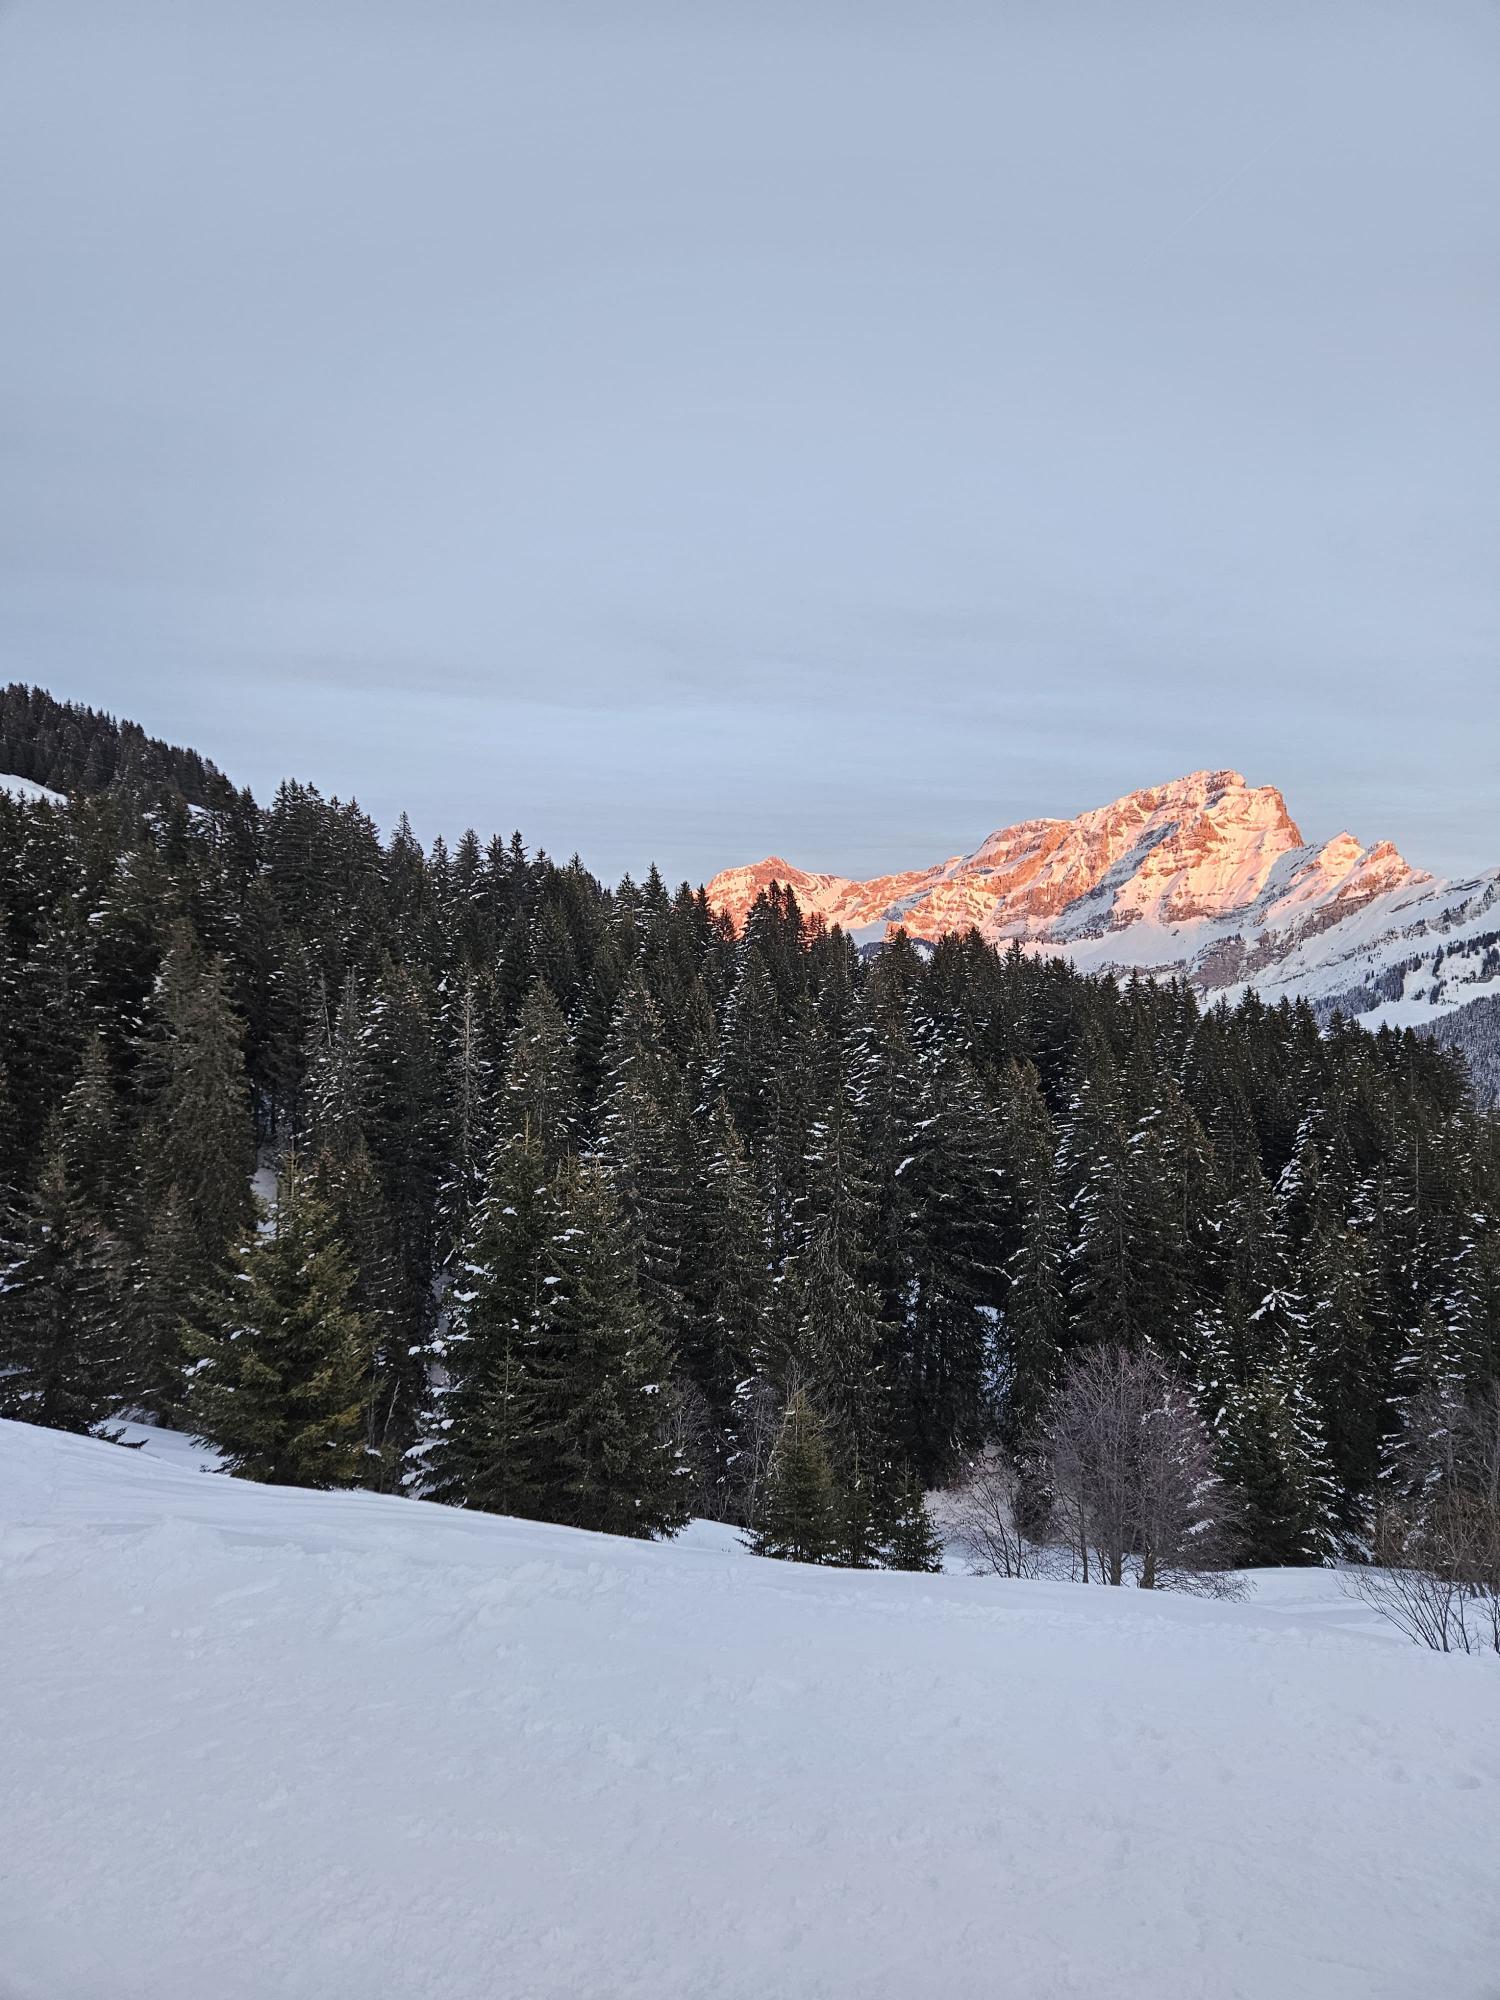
(262, 1743)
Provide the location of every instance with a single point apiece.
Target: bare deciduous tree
(988, 1518)
(1436, 1573)
(1131, 1467)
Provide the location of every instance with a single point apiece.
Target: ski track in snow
(261, 1742)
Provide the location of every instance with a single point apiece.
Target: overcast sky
(696, 431)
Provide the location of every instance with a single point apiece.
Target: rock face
(1206, 878)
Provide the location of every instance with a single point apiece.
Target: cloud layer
(685, 431)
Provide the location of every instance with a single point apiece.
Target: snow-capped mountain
(1206, 877)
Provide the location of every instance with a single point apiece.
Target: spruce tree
(481, 1448)
(643, 1147)
(912, 1541)
(280, 1384)
(540, 1091)
(726, 1283)
(1272, 1454)
(66, 1357)
(597, 1389)
(800, 1518)
(954, 1278)
(192, 1201)
(1351, 1367)
(830, 1309)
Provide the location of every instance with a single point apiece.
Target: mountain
(1210, 879)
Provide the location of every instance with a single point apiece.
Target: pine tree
(800, 1519)
(726, 1294)
(90, 1138)
(10, 1188)
(1096, 1162)
(467, 1099)
(65, 1342)
(540, 1092)
(402, 1124)
(912, 1542)
(643, 1147)
(481, 1449)
(347, 1183)
(1272, 1454)
(192, 1200)
(829, 1306)
(1351, 1368)
(280, 1384)
(597, 1386)
(954, 1278)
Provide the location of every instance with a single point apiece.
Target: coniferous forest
(589, 1210)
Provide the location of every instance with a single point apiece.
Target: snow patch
(29, 792)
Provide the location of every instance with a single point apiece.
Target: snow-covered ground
(29, 791)
(259, 1743)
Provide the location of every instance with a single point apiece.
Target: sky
(694, 431)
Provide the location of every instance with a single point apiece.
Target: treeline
(592, 1211)
(71, 748)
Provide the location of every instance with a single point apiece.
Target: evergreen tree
(829, 1306)
(945, 1365)
(644, 1149)
(597, 1387)
(800, 1520)
(65, 1347)
(90, 1138)
(726, 1294)
(402, 1124)
(192, 1201)
(912, 1541)
(1351, 1368)
(481, 1450)
(540, 1093)
(280, 1384)
(1274, 1458)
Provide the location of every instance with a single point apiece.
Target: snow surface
(29, 791)
(261, 1742)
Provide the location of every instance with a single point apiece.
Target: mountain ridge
(1205, 878)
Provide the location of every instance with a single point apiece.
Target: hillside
(265, 1742)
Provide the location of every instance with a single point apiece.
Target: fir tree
(1272, 1454)
(598, 1381)
(726, 1293)
(830, 1307)
(193, 1200)
(65, 1345)
(643, 1147)
(280, 1385)
(540, 1092)
(481, 1449)
(1351, 1367)
(800, 1519)
(912, 1541)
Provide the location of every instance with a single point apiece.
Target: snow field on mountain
(29, 791)
(261, 1742)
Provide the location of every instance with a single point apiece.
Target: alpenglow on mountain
(1208, 879)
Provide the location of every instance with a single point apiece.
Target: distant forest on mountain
(589, 1209)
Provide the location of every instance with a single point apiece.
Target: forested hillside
(590, 1209)
(71, 748)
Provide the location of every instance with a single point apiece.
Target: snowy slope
(1206, 877)
(265, 1743)
(29, 791)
